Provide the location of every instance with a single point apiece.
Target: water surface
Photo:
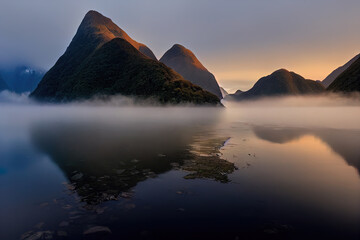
(243, 172)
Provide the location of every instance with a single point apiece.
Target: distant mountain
(3, 85)
(349, 80)
(238, 92)
(183, 61)
(118, 68)
(22, 78)
(224, 93)
(329, 79)
(234, 96)
(279, 83)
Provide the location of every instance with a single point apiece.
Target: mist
(325, 111)
(322, 100)
(331, 110)
(7, 97)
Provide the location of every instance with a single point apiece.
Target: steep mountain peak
(94, 14)
(94, 17)
(348, 80)
(184, 61)
(94, 31)
(178, 50)
(95, 23)
(104, 29)
(336, 73)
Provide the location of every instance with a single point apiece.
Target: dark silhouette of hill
(234, 96)
(238, 92)
(334, 74)
(279, 83)
(183, 61)
(3, 85)
(349, 80)
(95, 63)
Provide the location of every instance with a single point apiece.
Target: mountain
(96, 63)
(3, 85)
(234, 96)
(280, 82)
(224, 93)
(96, 25)
(329, 79)
(22, 78)
(238, 92)
(349, 80)
(183, 61)
(118, 68)
(93, 32)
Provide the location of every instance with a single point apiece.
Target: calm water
(244, 172)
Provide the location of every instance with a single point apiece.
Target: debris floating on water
(97, 229)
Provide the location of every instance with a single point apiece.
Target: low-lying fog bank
(323, 111)
(323, 100)
(326, 111)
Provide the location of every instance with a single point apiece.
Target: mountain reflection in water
(344, 142)
(102, 162)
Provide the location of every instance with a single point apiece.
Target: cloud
(7, 97)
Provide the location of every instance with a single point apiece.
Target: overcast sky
(237, 40)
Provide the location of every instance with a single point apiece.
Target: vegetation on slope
(118, 68)
(349, 80)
